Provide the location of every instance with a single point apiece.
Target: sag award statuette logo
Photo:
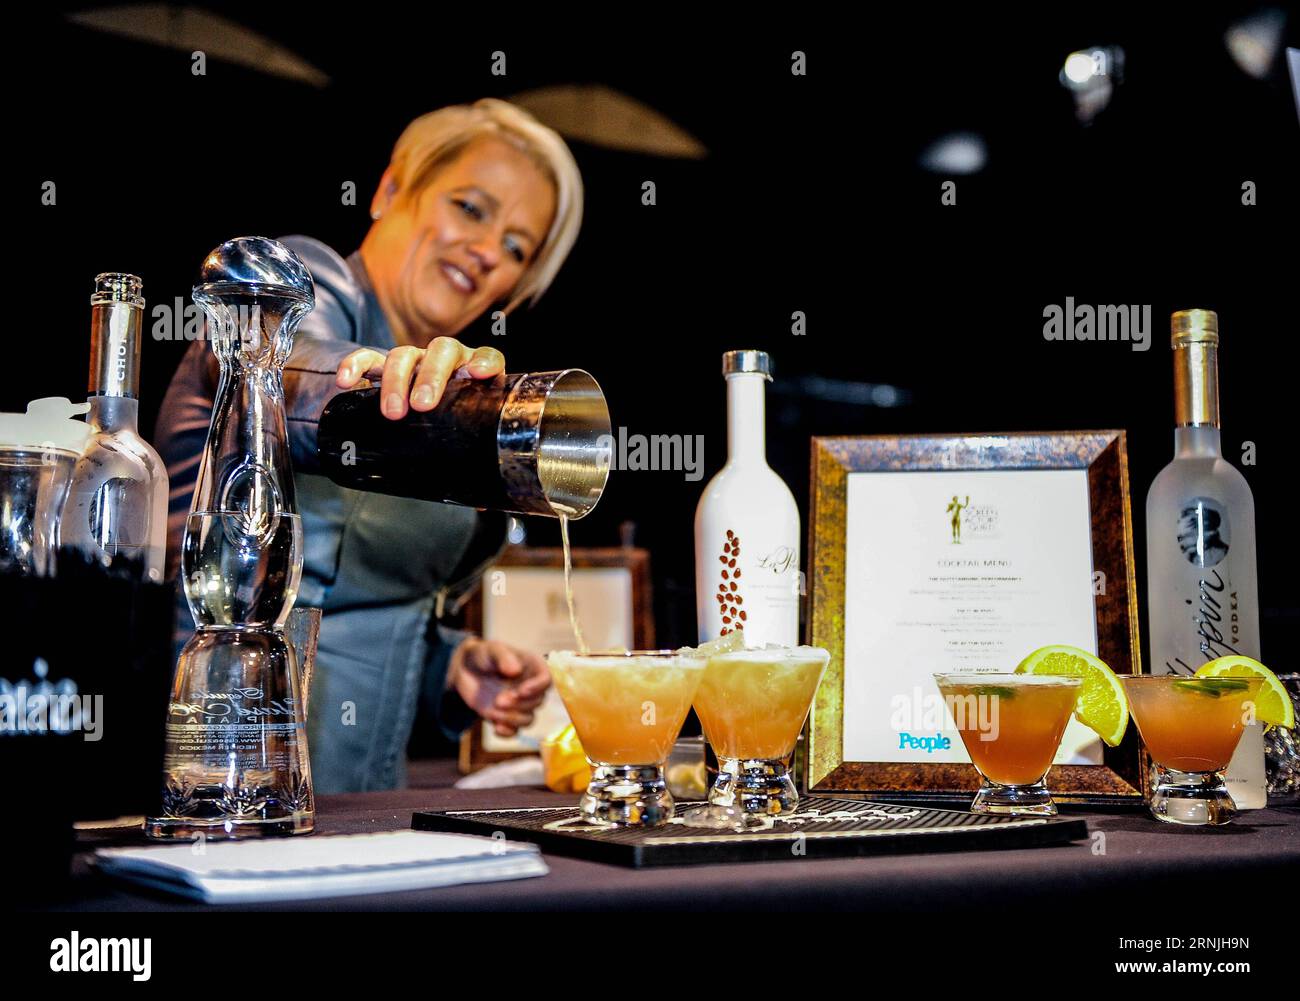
(978, 521)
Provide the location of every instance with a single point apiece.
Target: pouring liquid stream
(568, 583)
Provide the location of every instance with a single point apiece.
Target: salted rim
(1069, 680)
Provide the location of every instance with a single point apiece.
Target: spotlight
(1079, 69)
(1255, 41)
(956, 153)
(1091, 76)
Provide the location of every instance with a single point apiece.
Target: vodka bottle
(1201, 592)
(117, 503)
(747, 525)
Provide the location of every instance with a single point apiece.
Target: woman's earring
(375, 214)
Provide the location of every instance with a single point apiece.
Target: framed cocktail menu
(962, 553)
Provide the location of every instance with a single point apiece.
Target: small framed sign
(521, 601)
(962, 554)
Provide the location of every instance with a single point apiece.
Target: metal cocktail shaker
(536, 443)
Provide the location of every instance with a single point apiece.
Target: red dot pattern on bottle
(729, 596)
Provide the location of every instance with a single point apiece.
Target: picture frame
(478, 746)
(1102, 457)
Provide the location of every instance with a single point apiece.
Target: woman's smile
(458, 278)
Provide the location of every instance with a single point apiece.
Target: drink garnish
(1273, 706)
(1214, 688)
(1102, 705)
(995, 691)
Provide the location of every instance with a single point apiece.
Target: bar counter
(1127, 857)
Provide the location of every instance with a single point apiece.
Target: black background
(811, 199)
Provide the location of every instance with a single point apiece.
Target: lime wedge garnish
(1102, 705)
(1273, 705)
(999, 691)
(1214, 688)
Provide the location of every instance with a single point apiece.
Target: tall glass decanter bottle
(117, 503)
(236, 759)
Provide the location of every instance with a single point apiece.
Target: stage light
(1079, 68)
(1091, 76)
(1255, 41)
(955, 153)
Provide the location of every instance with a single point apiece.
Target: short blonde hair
(433, 140)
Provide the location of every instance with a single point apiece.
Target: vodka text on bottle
(747, 525)
(1201, 596)
(117, 503)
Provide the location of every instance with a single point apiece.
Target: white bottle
(1202, 597)
(747, 525)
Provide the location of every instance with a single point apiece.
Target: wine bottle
(1202, 595)
(117, 503)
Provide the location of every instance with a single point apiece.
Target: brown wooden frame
(472, 754)
(1104, 455)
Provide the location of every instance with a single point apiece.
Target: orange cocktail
(1012, 725)
(627, 709)
(1191, 727)
(752, 705)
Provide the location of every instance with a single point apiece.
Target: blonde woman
(476, 211)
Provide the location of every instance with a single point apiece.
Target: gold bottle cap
(1194, 326)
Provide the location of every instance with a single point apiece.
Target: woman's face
(441, 259)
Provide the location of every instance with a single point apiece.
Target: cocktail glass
(1012, 725)
(627, 708)
(752, 705)
(1191, 727)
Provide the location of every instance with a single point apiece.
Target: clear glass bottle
(236, 761)
(117, 503)
(1202, 599)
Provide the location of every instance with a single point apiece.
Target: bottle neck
(745, 418)
(113, 414)
(1197, 443)
(1196, 385)
(115, 349)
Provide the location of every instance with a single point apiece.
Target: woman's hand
(417, 375)
(501, 683)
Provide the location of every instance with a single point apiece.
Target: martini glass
(752, 705)
(627, 709)
(1012, 725)
(1191, 727)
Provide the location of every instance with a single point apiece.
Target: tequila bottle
(236, 761)
(747, 525)
(1201, 594)
(117, 503)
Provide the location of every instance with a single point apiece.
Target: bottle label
(1203, 532)
(1204, 536)
(758, 592)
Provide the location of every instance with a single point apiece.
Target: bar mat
(821, 828)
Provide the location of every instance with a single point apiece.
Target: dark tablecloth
(1135, 869)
